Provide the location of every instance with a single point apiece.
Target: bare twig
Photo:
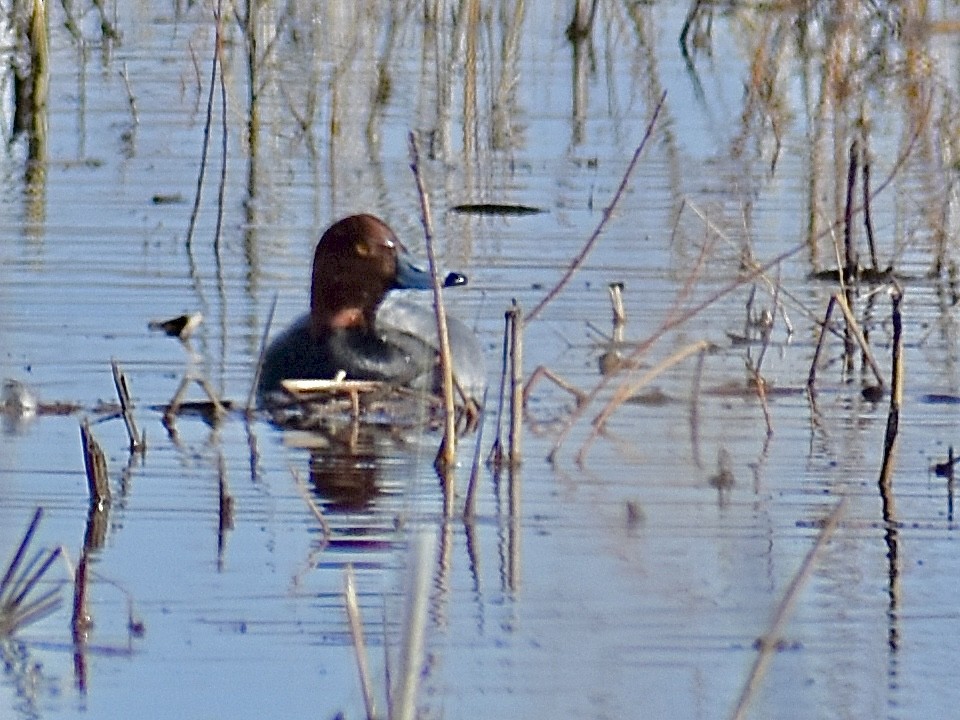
(137, 441)
(96, 467)
(607, 214)
(17, 607)
(414, 629)
(516, 383)
(768, 643)
(359, 645)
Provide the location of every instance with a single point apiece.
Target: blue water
(562, 603)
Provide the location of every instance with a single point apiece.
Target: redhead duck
(350, 329)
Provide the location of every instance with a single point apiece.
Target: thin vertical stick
(812, 377)
(21, 551)
(414, 629)
(263, 353)
(496, 449)
(359, 645)
(850, 268)
(893, 416)
(516, 383)
(469, 503)
(867, 218)
(96, 466)
(126, 407)
(205, 147)
(448, 451)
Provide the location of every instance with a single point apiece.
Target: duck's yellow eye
(363, 250)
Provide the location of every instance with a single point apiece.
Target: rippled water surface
(636, 573)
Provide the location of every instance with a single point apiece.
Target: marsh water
(636, 573)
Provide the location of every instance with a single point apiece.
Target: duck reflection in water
(347, 464)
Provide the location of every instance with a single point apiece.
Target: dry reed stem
(131, 98)
(469, 503)
(96, 467)
(756, 270)
(812, 376)
(356, 633)
(495, 457)
(673, 321)
(17, 608)
(774, 287)
(607, 214)
(896, 401)
(854, 326)
(39, 59)
(768, 643)
(404, 696)
(448, 449)
(626, 390)
(761, 385)
(579, 27)
(542, 371)
(867, 217)
(850, 254)
(138, 442)
(516, 383)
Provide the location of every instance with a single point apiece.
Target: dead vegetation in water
(24, 599)
(861, 268)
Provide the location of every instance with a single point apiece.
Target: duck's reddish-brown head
(357, 261)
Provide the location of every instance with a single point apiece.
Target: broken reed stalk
(356, 633)
(252, 395)
(515, 320)
(896, 401)
(495, 457)
(448, 450)
(404, 696)
(607, 214)
(138, 442)
(768, 643)
(17, 608)
(96, 466)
